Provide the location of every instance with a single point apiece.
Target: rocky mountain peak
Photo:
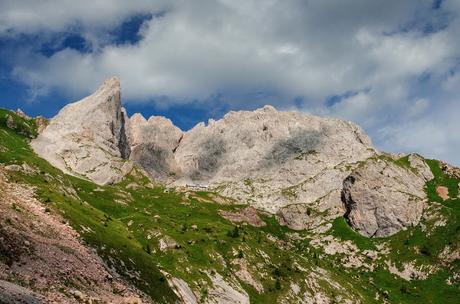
(268, 109)
(157, 129)
(88, 137)
(137, 118)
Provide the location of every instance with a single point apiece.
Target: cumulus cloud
(31, 16)
(433, 135)
(399, 58)
(296, 48)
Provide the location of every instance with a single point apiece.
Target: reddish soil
(248, 215)
(443, 192)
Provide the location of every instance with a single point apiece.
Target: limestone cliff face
(88, 138)
(153, 143)
(382, 197)
(273, 159)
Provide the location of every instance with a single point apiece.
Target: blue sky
(391, 66)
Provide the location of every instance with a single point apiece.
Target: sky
(391, 66)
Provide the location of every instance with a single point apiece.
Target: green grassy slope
(125, 223)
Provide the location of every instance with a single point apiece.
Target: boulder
(382, 197)
(418, 163)
(245, 215)
(11, 293)
(297, 217)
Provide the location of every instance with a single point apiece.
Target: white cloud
(312, 49)
(31, 16)
(196, 49)
(434, 135)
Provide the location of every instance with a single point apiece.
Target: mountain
(258, 207)
(88, 138)
(285, 163)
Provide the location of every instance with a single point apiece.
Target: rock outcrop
(298, 217)
(88, 138)
(156, 129)
(383, 197)
(418, 163)
(12, 293)
(266, 158)
(226, 292)
(153, 144)
(271, 159)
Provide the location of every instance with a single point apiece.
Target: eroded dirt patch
(248, 215)
(443, 192)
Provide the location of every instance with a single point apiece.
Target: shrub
(278, 284)
(234, 233)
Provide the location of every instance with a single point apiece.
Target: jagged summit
(88, 137)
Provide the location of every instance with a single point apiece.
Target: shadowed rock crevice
(345, 195)
(123, 143)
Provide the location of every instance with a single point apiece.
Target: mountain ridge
(268, 159)
(277, 209)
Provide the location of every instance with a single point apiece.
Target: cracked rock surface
(382, 198)
(88, 138)
(272, 159)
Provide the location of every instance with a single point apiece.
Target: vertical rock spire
(88, 138)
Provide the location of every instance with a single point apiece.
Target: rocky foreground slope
(36, 244)
(253, 208)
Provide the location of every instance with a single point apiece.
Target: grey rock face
(88, 138)
(419, 164)
(297, 216)
(156, 160)
(11, 293)
(382, 198)
(153, 143)
(156, 129)
(266, 158)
